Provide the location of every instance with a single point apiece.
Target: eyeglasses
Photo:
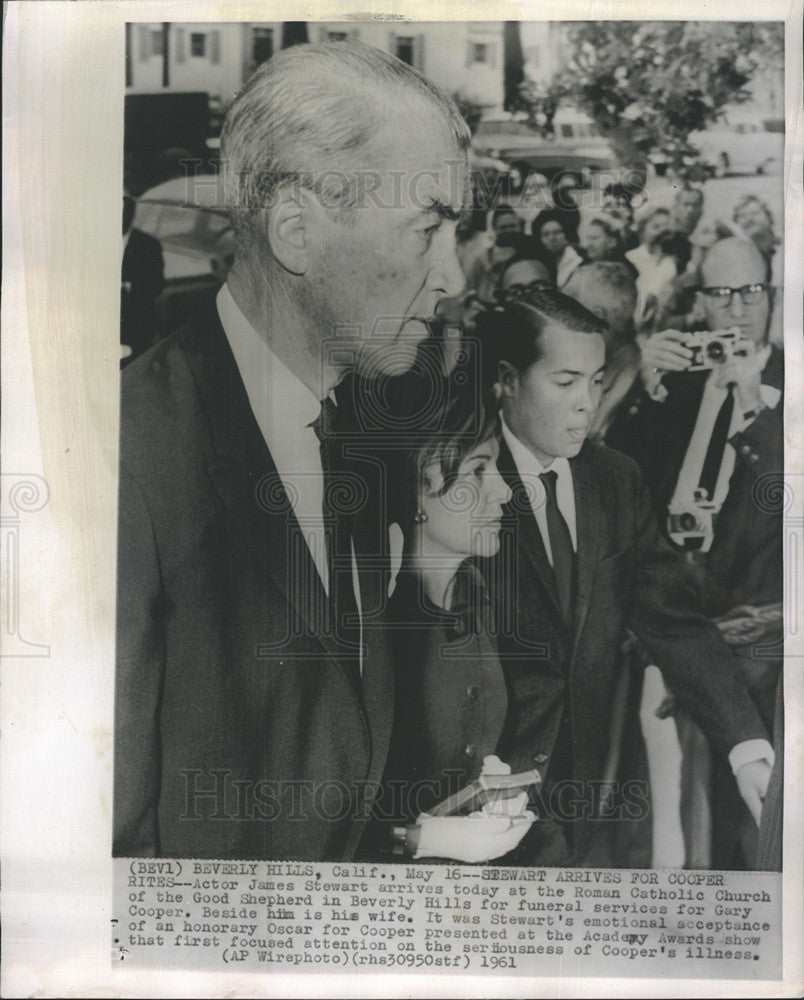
(723, 295)
(519, 291)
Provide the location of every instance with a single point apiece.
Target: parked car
(748, 147)
(186, 215)
(511, 138)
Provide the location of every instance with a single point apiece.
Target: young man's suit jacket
(226, 681)
(627, 577)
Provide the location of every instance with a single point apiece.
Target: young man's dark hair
(520, 325)
(512, 334)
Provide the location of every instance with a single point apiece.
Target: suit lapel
(247, 480)
(588, 497)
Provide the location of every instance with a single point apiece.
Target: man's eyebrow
(442, 209)
(571, 371)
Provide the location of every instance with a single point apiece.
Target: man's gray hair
(311, 115)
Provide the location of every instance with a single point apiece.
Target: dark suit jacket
(628, 577)
(224, 672)
(143, 270)
(744, 565)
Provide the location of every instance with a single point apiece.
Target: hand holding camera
(664, 351)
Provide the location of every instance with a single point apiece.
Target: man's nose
(736, 306)
(446, 274)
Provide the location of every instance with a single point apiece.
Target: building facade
(464, 58)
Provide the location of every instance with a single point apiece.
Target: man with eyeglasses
(710, 444)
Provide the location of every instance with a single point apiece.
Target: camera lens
(715, 352)
(687, 521)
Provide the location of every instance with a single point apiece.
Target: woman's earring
(420, 517)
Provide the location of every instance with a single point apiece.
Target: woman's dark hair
(466, 419)
(548, 215)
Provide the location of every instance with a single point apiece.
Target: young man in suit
(581, 561)
(254, 697)
(717, 434)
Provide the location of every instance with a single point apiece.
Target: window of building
(566, 131)
(480, 52)
(215, 48)
(337, 36)
(156, 43)
(198, 44)
(404, 49)
(262, 44)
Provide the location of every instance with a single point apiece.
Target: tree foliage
(649, 84)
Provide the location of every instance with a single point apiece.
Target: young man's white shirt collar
(530, 468)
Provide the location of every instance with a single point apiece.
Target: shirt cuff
(750, 750)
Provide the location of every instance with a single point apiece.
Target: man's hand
(482, 836)
(473, 839)
(745, 371)
(663, 352)
(752, 781)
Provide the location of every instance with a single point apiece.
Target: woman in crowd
(550, 229)
(564, 189)
(655, 266)
(450, 695)
(755, 221)
(602, 239)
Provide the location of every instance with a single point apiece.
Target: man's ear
(508, 378)
(289, 229)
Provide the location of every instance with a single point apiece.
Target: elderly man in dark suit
(254, 696)
(581, 561)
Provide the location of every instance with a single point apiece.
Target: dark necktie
(343, 612)
(560, 546)
(717, 445)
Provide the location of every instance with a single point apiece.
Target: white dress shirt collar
(530, 469)
(273, 390)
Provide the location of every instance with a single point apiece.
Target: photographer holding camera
(706, 428)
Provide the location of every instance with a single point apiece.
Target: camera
(692, 525)
(713, 348)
